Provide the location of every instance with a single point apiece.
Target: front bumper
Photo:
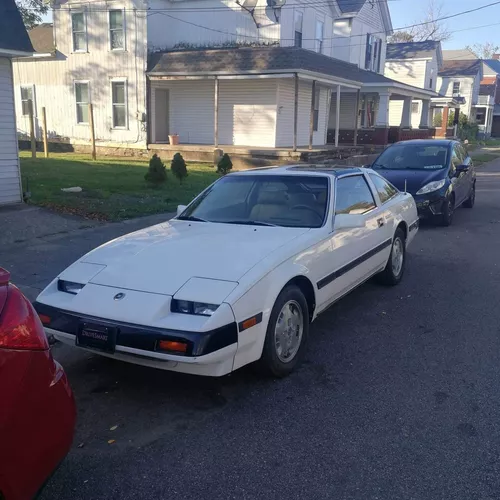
(209, 353)
(429, 205)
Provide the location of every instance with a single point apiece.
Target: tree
(32, 11)
(178, 167)
(483, 50)
(156, 173)
(225, 164)
(428, 28)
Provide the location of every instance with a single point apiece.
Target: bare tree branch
(32, 11)
(484, 50)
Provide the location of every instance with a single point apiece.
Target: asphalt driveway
(399, 397)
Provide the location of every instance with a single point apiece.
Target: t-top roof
(13, 36)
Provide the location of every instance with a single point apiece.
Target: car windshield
(413, 157)
(263, 200)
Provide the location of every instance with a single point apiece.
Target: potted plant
(173, 139)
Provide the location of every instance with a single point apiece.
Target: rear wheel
(469, 202)
(446, 217)
(286, 334)
(395, 268)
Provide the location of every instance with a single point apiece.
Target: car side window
(455, 162)
(353, 196)
(464, 153)
(385, 190)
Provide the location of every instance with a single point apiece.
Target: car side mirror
(180, 209)
(348, 221)
(462, 168)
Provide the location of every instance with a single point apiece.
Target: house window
(316, 111)
(119, 103)
(26, 95)
(79, 30)
(319, 36)
(456, 88)
(415, 107)
(431, 79)
(298, 28)
(116, 30)
(481, 117)
(82, 102)
(367, 112)
(373, 53)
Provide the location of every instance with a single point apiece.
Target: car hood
(415, 179)
(161, 259)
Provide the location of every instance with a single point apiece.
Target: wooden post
(216, 114)
(337, 118)
(356, 118)
(45, 143)
(32, 129)
(92, 130)
(311, 116)
(295, 112)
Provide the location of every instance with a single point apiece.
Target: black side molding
(349, 267)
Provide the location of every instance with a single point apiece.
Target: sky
(406, 12)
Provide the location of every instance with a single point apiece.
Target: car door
(470, 175)
(360, 242)
(458, 178)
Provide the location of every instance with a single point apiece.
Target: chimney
(495, 56)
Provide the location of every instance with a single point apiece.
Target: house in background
(490, 90)
(14, 42)
(251, 74)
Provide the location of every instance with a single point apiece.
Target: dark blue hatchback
(438, 173)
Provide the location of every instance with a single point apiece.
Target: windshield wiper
(248, 223)
(191, 218)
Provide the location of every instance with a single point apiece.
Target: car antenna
(405, 186)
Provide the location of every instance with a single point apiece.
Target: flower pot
(173, 139)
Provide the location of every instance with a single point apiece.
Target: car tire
(395, 267)
(469, 202)
(283, 350)
(446, 217)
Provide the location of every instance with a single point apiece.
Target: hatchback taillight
(20, 327)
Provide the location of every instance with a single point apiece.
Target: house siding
(468, 89)
(286, 98)
(347, 110)
(10, 187)
(407, 71)
(54, 78)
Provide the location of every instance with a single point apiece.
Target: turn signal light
(44, 319)
(249, 323)
(170, 345)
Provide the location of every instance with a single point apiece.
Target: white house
(14, 42)
(252, 73)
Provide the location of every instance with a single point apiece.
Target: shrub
(225, 164)
(178, 167)
(157, 173)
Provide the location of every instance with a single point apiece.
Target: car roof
(313, 170)
(430, 142)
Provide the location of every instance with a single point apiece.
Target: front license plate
(102, 338)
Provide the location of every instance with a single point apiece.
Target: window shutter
(368, 55)
(379, 57)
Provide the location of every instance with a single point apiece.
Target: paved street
(399, 397)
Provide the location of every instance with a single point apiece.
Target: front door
(161, 110)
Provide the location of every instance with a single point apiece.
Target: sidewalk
(29, 234)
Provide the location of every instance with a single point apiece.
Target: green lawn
(482, 158)
(113, 189)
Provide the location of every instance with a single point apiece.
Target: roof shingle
(350, 6)
(412, 50)
(460, 68)
(42, 38)
(13, 34)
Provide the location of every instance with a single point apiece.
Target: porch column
(487, 129)
(382, 119)
(444, 123)
(311, 115)
(424, 117)
(216, 113)
(337, 118)
(406, 118)
(456, 120)
(295, 112)
(356, 117)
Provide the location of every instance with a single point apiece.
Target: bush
(437, 120)
(157, 173)
(178, 167)
(225, 164)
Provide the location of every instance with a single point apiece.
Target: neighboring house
(14, 42)
(490, 87)
(244, 74)
(417, 64)
(461, 78)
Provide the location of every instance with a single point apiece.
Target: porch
(483, 113)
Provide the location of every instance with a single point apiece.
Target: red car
(37, 408)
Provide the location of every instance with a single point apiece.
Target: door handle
(380, 222)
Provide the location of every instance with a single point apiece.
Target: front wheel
(446, 217)
(469, 202)
(286, 334)
(395, 267)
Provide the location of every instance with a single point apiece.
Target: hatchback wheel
(469, 202)
(286, 334)
(395, 268)
(448, 211)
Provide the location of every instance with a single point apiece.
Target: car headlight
(69, 287)
(432, 186)
(188, 307)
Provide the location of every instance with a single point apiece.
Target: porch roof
(273, 60)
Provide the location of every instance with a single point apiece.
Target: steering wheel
(305, 207)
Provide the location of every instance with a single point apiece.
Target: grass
(482, 158)
(113, 189)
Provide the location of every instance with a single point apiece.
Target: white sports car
(238, 275)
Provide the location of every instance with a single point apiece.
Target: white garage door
(10, 189)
